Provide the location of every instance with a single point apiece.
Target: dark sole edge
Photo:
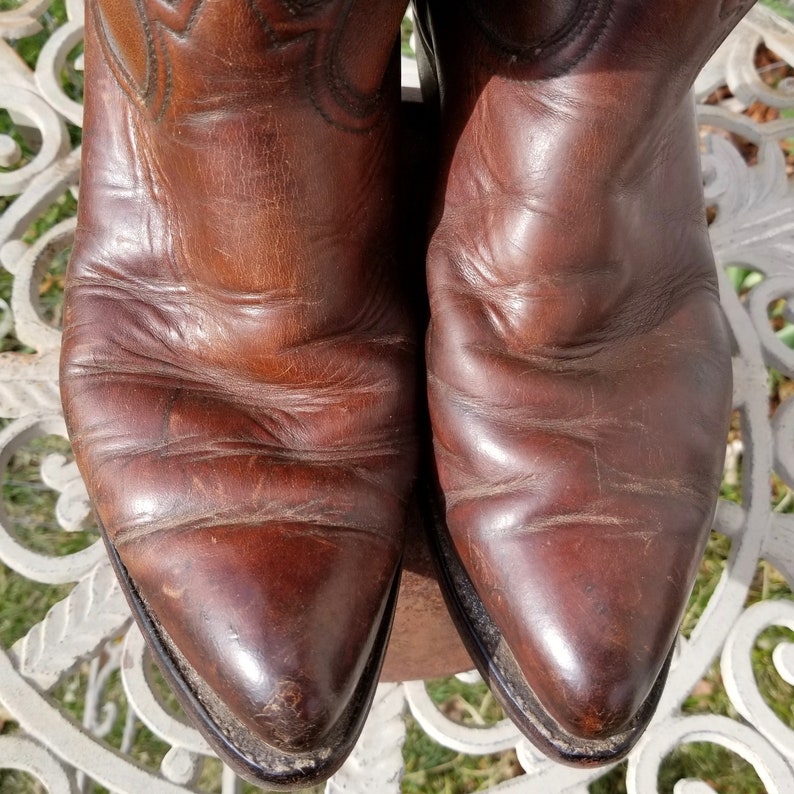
(498, 667)
(295, 771)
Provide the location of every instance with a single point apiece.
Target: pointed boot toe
(579, 367)
(272, 628)
(270, 625)
(574, 639)
(590, 630)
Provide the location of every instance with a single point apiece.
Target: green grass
(30, 507)
(406, 29)
(432, 769)
(782, 7)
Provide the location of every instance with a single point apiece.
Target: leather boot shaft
(238, 364)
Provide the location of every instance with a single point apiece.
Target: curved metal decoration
(87, 635)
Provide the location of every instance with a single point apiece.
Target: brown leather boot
(237, 367)
(579, 365)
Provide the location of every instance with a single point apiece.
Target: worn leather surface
(238, 368)
(579, 374)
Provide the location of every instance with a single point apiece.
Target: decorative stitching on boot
(297, 7)
(590, 17)
(316, 25)
(151, 14)
(321, 23)
(733, 10)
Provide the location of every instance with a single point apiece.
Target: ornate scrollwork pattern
(84, 644)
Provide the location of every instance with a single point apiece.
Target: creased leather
(579, 373)
(238, 363)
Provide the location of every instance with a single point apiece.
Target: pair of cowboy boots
(241, 369)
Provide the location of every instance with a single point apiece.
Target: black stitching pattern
(333, 97)
(153, 28)
(590, 17)
(319, 23)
